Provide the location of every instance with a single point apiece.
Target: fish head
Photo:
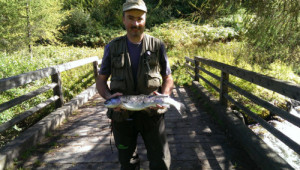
(113, 102)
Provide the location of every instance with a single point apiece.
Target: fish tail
(179, 106)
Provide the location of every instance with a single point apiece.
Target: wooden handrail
(22, 79)
(56, 85)
(285, 88)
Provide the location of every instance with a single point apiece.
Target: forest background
(261, 36)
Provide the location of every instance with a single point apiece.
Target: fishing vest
(148, 75)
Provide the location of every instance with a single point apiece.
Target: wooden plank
(285, 139)
(22, 79)
(190, 60)
(26, 114)
(285, 115)
(210, 73)
(209, 83)
(25, 97)
(189, 66)
(74, 64)
(191, 74)
(283, 87)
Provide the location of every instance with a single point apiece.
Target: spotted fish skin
(142, 102)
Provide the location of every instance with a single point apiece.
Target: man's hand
(117, 109)
(115, 95)
(157, 106)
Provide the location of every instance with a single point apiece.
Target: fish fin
(179, 106)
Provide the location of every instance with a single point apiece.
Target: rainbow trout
(142, 102)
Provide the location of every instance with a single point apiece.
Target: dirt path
(83, 142)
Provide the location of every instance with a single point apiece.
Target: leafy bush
(107, 13)
(234, 21)
(181, 33)
(79, 29)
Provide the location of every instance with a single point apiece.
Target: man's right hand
(117, 109)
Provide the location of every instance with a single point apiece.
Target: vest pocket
(118, 61)
(151, 58)
(153, 80)
(117, 84)
(117, 80)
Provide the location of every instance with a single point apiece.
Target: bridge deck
(83, 142)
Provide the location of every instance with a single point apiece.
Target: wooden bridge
(77, 134)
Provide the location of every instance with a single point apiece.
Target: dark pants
(152, 130)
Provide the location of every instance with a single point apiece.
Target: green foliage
(80, 29)
(45, 18)
(179, 75)
(207, 9)
(181, 33)
(234, 21)
(11, 28)
(104, 12)
(78, 22)
(273, 31)
(92, 23)
(159, 13)
(107, 13)
(44, 56)
(69, 4)
(38, 18)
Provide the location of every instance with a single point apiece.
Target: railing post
(223, 88)
(95, 66)
(57, 91)
(196, 78)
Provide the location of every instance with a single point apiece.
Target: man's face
(134, 21)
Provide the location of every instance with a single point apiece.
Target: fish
(142, 102)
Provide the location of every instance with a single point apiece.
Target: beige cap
(134, 4)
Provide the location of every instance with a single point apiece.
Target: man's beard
(138, 33)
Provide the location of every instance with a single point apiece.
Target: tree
(45, 18)
(27, 22)
(12, 25)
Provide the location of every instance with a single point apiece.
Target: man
(136, 63)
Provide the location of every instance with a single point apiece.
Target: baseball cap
(134, 4)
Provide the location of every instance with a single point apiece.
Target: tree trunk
(28, 28)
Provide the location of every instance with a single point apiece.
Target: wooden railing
(56, 85)
(282, 87)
